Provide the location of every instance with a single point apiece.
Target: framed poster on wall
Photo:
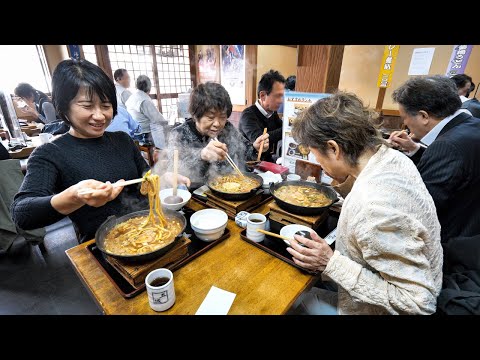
(207, 58)
(294, 103)
(232, 72)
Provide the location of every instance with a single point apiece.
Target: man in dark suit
(448, 160)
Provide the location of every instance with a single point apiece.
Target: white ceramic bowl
(184, 194)
(209, 224)
(267, 179)
(290, 230)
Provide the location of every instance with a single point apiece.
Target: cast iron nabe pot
(236, 196)
(112, 221)
(304, 210)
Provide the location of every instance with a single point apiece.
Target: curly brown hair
(343, 118)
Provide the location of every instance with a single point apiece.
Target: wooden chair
(306, 169)
(148, 150)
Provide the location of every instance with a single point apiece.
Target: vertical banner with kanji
(388, 63)
(458, 60)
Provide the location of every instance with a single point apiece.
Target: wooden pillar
(381, 97)
(250, 74)
(54, 54)
(103, 60)
(318, 68)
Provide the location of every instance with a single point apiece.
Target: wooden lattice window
(167, 66)
(174, 76)
(89, 53)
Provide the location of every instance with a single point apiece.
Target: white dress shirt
(433, 134)
(262, 110)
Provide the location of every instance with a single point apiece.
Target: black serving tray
(278, 248)
(196, 248)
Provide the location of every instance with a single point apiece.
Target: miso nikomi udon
(144, 234)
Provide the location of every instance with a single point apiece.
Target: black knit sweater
(55, 166)
(190, 143)
(251, 125)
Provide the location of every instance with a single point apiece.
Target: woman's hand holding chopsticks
(214, 151)
(76, 196)
(96, 193)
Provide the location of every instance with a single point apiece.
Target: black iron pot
(112, 221)
(304, 210)
(237, 196)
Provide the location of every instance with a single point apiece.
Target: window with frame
(24, 63)
(89, 53)
(167, 66)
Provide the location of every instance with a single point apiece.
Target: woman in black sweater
(85, 98)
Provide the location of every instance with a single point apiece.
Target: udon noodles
(234, 183)
(143, 234)
(302, 196)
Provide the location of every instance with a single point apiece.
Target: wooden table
(26, 151)
(263, 283)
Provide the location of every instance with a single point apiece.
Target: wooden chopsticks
(273, 234)
(117, 184)
(231, 162)
(261, 146)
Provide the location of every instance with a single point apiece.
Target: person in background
(465, 86)
(122, 83)
(388, 257)
(447, 159)
(263, 114)
(142, 108)
(123, 121)
(290, 83)
(37, 103)
(201, 155)
(86, 157)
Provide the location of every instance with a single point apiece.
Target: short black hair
(437, 95)
(118, 74)
(290, 82)
(267, 80)
(71, 75)
(209, 96)
(24, 90)
(461, 80)
(144, 83)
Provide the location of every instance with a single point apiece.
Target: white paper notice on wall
(421, 61)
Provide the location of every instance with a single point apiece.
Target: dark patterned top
(190, 144)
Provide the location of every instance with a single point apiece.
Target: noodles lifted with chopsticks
(144, 234)
(151, 186)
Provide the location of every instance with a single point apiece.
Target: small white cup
(241, 219)
(293, 177)
(161, 297)
(45, 137)
(256, 221)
